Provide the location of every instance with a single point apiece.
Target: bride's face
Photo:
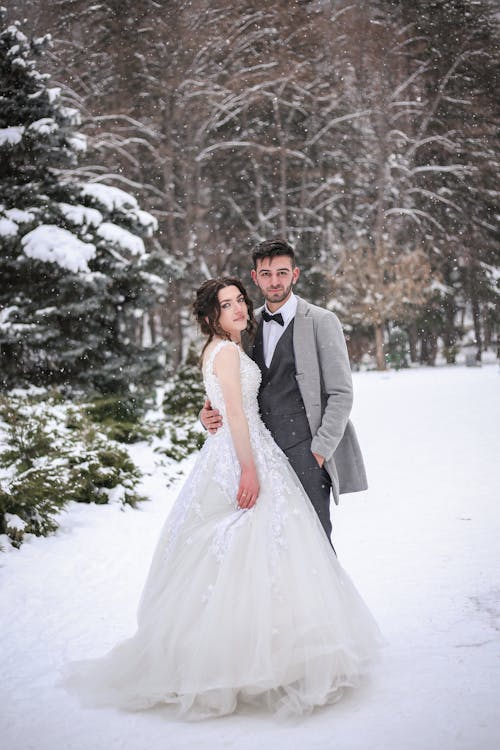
(233, 316)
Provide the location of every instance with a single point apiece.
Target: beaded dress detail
(239, 606)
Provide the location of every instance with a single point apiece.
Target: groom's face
(275, 278)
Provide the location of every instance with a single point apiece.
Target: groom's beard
(278, 295)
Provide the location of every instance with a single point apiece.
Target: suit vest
(281, 406)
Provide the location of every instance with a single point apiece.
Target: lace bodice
(218, 462)
(250, 383)
(269, 459)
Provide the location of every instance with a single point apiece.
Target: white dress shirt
(272, 331)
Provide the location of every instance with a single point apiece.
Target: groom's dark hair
(271, 249)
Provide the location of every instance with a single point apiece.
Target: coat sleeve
(336, 384)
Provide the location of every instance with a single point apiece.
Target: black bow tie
(278, 318)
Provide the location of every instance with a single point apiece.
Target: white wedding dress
(240, 606)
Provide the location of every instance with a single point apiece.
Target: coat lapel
(303, 334)
(307, 365)
(258, 354)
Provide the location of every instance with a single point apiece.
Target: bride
(245, 601)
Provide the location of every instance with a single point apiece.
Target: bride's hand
(248, 491)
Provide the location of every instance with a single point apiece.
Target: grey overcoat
(325, 383)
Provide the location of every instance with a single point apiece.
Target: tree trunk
(476, 317)
(424, 356)
(488, 330)
(283, 191)
(450, 332)
(175, 334)
(379, 346)
(432, 350)
(476, 314)
(412, 341)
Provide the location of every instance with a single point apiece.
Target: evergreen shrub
(183, 442)
(106, 469)
(30, 503)
(182, 404)
(398, 349)
(51, 454)
(186, 394)
(121, 416)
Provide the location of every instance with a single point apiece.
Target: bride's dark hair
(206, 308)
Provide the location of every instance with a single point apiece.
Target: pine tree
(74, 273)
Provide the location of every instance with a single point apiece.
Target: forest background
(146, 146)
(362, 132)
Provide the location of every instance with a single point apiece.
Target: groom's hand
(319, 459)
(210, 418)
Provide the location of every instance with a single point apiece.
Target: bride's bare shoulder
(225, 354)
(208, 351)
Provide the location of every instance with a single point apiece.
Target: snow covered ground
(422, 545)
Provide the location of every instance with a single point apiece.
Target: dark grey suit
(283, 412)
(322, 372)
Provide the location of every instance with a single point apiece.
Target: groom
(305, 396)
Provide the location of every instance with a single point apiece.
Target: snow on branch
(81, 215)
(414, 213)
(45, 126)
(11, 135)
(402, 86)
(52, 244)
(130, 121)
(460, 170)
(111, 198)
(8, 228)
(124, 239)
(250, 144)
(336, 121)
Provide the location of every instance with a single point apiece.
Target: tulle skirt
(240, 606)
